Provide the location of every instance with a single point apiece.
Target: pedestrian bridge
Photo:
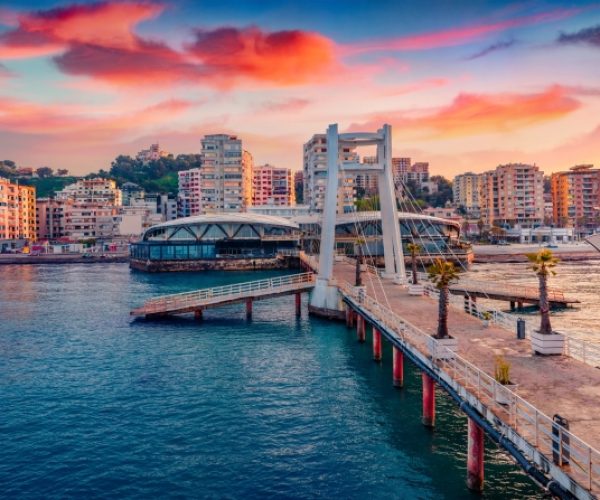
(206, 298)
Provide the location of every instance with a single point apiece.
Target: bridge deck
(510, 293)
(207, 298)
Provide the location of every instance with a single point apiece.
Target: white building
(226, 175)
(287, 212)
(189, 193)
(151, 154)
(96, 190)
(465, 192)
(315, 175)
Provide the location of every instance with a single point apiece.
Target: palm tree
(442, 274)
(414, 250)
(542, 263)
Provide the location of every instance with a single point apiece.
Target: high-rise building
(189, 193)
(226, 175)
(369, 182)
(465, 191)
(315, 176)
(512, 194)
(51, 217)
(96, 190)
(299, 186)
(576, 196)
(17, 211)
(400, 168)
(272, 186)
(87, 220)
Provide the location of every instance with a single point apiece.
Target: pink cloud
(454, 36)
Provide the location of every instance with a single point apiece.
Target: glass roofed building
(216, 241)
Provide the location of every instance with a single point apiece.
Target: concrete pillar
(353, 319)
(519, 305)
(360, 328)
(198, 314)
(512, 305)
(428, 401)
(475, 456)
(349, 316)
(248, 308)
(376, 344)
(298, 305)
(398, 367)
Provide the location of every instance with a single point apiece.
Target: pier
(519, 295)
(207, 298)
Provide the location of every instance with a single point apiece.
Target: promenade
(553, 384)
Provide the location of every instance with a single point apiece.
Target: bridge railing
(189, 299)
(527, 427)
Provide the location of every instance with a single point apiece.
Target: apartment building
(226, 175)
(50, 217)
(315, 176)
(512, 194)
(189, 194)
(576, 197)
(465, 191)
(96, 190)
(368, 182)
(17, 211)
(272, 186)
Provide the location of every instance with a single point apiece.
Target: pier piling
(298, 305)
(398, 367)
(475, 456)
(249, 309)
(428, 401)
(198, 314)
(360, 328)
(376, 344)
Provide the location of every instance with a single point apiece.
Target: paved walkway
(555, 385)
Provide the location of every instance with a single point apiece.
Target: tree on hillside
(61, 172)
(44, 172)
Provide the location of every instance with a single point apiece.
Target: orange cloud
(472, 114)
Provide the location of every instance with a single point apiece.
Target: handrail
(539, 431)
(187, 299)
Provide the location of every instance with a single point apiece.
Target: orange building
(17, 211)
(272, 186)
(576, 196)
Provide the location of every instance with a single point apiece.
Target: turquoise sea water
(95, 405)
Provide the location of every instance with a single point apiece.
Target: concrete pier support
(298, 305)
(198, 314)
(519, 306)
(376, 344)
(248, 308)
(349, 318)
(398, 367)
(428, 401)
(475, 456)
(512, 305)
(360, 328)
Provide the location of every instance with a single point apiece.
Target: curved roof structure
(351, 218)
(230, 218)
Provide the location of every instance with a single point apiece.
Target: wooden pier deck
(522, 294)
(207, 298)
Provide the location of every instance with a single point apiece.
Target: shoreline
(32, 260)
(517, 253)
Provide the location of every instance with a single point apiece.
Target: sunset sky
(465, 86)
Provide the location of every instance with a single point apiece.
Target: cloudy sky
(466, 85)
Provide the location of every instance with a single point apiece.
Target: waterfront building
(541, 234)
(299, 186)
(189, 194)
(315, 175)
(368, 182)
(85, 220)
(226, 175)
(151, 154)
(50, 218)
(465, 192)
(17, 211)
(131, 191)
(512, 194)
(576, 197)
(216, 241)
(96, 191)
(272, 186)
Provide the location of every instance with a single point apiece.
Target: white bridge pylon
(324, 295)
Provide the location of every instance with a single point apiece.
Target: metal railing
(185, 300)
(532, 431)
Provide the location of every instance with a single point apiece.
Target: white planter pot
(504, 397)
(486, 323)
(547, 345)
(416, 290)
(442, 348)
